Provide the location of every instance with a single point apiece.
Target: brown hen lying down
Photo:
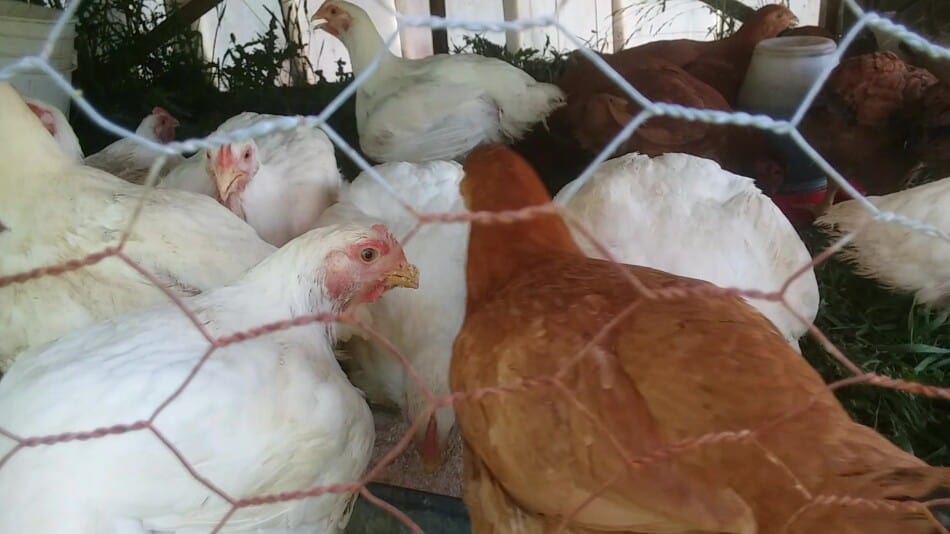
(655, 373)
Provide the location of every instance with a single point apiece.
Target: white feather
(442, 106)
(271, 414)
(686, 215)
(130, 160)
(297, 179)
(190, 175)
(53, 211)
(421, 324)
(897, 256)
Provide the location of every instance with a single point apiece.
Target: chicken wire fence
(649, 109)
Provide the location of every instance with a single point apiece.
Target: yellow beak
(225, 182)
(407, 276)
(318, 20)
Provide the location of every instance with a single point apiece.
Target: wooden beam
(440, 38)
(176, 23)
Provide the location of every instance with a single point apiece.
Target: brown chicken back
(602, 382)
(722, 63)
(598, 113)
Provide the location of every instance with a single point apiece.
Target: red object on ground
(795, 205)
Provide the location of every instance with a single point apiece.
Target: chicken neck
(509, 243)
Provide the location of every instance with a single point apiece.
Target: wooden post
(415, 42)
(512, 38)
(440, 38)
(617, 27)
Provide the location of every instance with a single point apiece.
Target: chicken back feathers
(694, 209)
(597, 111)
(593, 435)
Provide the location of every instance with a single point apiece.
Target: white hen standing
(896, 256)
(54, 210)
(422, 324)
(56, 124)
(268, 415)
(132, 161)
(435, 108)
(686, 215)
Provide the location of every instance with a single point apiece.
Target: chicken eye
(368, 254)
(247, 155)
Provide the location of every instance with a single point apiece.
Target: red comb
(158, 110)
(224, 157)
(385, 231)
(45, 116)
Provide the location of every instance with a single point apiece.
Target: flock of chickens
(596, 373)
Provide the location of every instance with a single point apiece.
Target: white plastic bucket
(23, 31)
(782, 71)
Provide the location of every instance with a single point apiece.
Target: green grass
(891, 335)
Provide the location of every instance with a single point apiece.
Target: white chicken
(435, 108)
(279, 183)
(194, 174)
(54, 211)
(899, 257)
(422, 324)
(132, 161)
(686, 215)
(271, 414)
(56, 124)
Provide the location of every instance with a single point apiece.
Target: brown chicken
(563, 443)
(597, 114)
(562, 148)
(722, 63)
(863, 118)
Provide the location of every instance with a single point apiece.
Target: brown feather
(596, 374)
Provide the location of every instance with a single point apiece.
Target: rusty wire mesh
(649, 109)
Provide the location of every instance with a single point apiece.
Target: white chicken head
(336, 16)
(232, 166)
(159, 125)
(58, 126)
(367, 267)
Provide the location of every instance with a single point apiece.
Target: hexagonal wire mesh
(649, 109)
